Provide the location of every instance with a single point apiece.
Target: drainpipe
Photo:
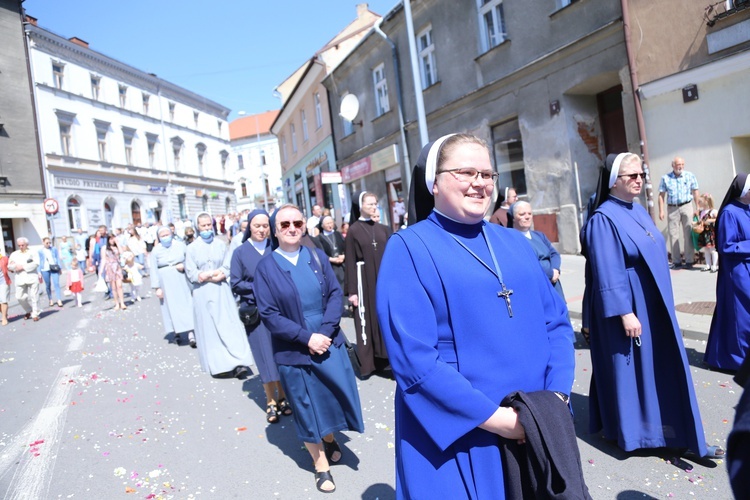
(416, 74)
(406, 164)
(638, 109)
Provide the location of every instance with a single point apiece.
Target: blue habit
(456, 352)
(641, 397)
(730, 326)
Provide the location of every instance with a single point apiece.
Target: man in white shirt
(312, 222)
(25, 265)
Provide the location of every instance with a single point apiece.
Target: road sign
(51, 206)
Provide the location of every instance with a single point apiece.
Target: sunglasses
(285, 224)
(633, 177)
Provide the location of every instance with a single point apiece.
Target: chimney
(80, 42)
(31, 20)
(361, 10)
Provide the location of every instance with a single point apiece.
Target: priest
(365, 244)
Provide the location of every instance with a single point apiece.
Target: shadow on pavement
(632, 495)
(379, 491)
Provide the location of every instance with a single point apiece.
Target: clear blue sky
(233, 52)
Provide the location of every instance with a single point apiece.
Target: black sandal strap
(330, 449)
(272, 414)
(321, 478)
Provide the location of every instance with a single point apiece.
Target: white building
(257, 172)
(123, 146)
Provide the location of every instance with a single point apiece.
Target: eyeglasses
(285, 224)
(471, 174)
(633, 177)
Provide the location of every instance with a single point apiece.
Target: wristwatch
(564, 397)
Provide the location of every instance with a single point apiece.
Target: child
(81, 257)
(75, 281)
(134, 274)
(705, 227)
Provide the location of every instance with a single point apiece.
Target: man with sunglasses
(678, 189)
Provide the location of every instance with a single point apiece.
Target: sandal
(330, 449)
(320, 480)
(272, 414)
(284, 407)
(715, 452)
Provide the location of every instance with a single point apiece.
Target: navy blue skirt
(323, 395)
(260, 345)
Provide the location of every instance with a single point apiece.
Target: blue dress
(641, 397)
(549, 258)
(456, 352)
(730, 327)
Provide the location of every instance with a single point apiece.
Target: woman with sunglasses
(223, 348)
(299, 300)
(642, 393)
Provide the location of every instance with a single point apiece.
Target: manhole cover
(706, 308)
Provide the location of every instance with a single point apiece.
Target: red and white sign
(51, 206)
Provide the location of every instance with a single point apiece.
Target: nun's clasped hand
(318, 343)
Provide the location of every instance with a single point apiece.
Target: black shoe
(240, 372)
(320, 480)
(193, 343)
(688, 266)
(675, 266)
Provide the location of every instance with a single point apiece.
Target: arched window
(228, 204)
(74, 213)
(135, 210)
(109, 212)
(205, 202)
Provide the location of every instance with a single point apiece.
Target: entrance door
(109, 213)
(135, 210)
(611, 117)
(9, 238)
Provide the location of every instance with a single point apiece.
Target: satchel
(249, 315)
(351, 350)
(125, 276)
(54, 268)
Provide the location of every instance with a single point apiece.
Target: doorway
(609, 105)
(135, 210)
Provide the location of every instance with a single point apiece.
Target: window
(224, 156)
(491, 23)
(204, 202)
(318, 111)
(348, 126)
(127, 135)
(65, 139)
(146, 98)
(508, 150)
(218, 125)
(171, 111)
(176, 152)
(381, 90)
(262, 157)
(58, 71)
(426, 58)
(182, 205)
(565, 3)
(283, 148)
(294, 138)
(303, 117)
(95, 87)
(65, 120)
(240, 162)
(200, 149)
(74, 213)
(243, 187)
(123, 95)
(195, 118)
(101, 138)
(151, 140)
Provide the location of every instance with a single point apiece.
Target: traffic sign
(51, 206)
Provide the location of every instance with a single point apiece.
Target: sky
(234, 52)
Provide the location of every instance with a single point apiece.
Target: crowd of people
(483, 378)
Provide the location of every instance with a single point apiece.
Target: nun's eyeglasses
(285, 224)
(633, 177)
(471, 174)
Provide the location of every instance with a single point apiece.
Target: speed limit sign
(51, 206)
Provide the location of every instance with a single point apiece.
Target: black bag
(54, 268)
(351, 350)
(125, 277)
(249, 315)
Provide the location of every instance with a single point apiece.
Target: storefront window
(74, 213)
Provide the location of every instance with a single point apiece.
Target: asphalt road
(97, 403)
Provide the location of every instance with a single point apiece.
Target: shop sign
(179, 190)
(199, 193)
(93, 185)
(354, 171)
(157, 189)
(330, 177)
(318, 160)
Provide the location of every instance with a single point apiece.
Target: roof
(253, 125)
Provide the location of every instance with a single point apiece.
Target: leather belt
(678, 204)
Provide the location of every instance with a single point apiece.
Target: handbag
(351, 351)
(699, 227)
(125, 277)
(54, 268)
(249, 315)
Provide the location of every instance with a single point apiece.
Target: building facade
(308, 157)
(21, 181)
(121, 146)
(545, 84)
(257, 169)
(695, 76)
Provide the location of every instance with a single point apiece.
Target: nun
(730, 327)
(256, 245)
(172, 288)
(223, 348)
(468, 317)
(642, 393)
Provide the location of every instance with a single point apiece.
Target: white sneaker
(138, 299)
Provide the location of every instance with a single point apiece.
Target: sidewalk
(688, 289)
